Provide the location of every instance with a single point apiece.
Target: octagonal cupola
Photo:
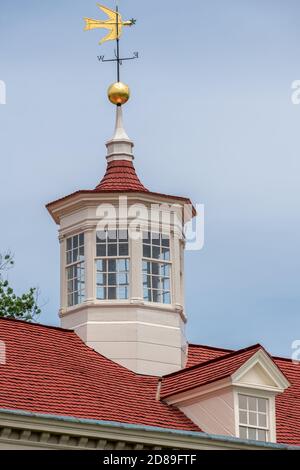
(122, 265)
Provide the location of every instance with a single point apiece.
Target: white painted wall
(214, 413)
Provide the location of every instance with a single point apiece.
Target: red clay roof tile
(120, 176)
(51, 371)
(206, 372)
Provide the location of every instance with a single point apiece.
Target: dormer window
(112, 265)
(156, 268)
(253, 418)
(75, 262)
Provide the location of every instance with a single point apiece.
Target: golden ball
(118, 93)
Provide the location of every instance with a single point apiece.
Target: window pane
(101, 250)
(69, 243)
(166, 298)
(112, 279)
(252, 402)
(242, 402)
(156, 252)
(147, 237)
(101, 279)
(243, 433)
(123, 249)
(112, 250)
(112, 293)
(155, 282)
(155, 296)
(81, 253)
(147, 295)
(146, 267)
(155, 269)
(166, 284)
(243, 417)
(146, 251)
(101, 265)
(69, 257)
(165, 270)
(123, 293)
(262, 405)
(165, 254)
(123, 235)
(70, 286)
(75, 241)
(261, 435)
(123, 279)
(70, 273)
(253, 418)
(262, 420)
(112, 265)
(101, 293)
(252, 434)
(101, 236)
(112, 235)
(81, 239)
(123, 265)
(74, 256)
(165, 241)
(155, 239)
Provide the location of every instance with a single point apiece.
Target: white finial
(120, 133)
(120, 146)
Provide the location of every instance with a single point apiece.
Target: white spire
(120, 146)
(120, 133)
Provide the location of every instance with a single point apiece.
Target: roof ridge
(16, 320)
(215, 359)
(215, 348)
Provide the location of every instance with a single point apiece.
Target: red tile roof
(288, 404)
(51, 371)
(206, 372)
(120, 176)
(198, 353)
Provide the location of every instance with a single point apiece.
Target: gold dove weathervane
(118, 93)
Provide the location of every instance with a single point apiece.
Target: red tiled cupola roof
(120, 176)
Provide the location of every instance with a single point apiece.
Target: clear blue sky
(211, 117)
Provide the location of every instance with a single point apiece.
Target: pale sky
(211, 117)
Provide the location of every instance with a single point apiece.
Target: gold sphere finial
(118, 93)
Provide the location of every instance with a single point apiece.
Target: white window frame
(256, 393)
(110, 258)
(79, 263)
(160, 262)
(248, 426)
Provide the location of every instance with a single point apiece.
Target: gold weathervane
(114, 24)
(118, 93)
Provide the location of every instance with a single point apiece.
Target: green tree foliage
(24, 307)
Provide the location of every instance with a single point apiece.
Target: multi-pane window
(75, 270)
(156, 268)
(253, 418)
(112, 265)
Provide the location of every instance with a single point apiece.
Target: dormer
(232, 395)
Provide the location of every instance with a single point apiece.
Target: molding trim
(21, 429)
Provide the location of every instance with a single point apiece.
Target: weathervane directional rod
(115, 25)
